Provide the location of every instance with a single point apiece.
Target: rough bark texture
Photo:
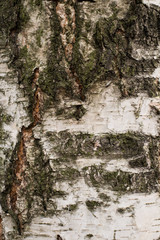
(79, 129)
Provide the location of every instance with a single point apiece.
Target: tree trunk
(79, 106)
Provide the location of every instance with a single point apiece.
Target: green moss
(124, 210)
(92, 205)
(88, 25)
(113, 34)
(13, 19)
(140, 162)
(9, 179)
(89, 235)
(39, 34)
(60, 111)
(121, 145)
(5, 118)
(13, 15)
(129, 71)
(40, 181)
(151, 87)
(71, 207)
(68, 174)
(118, 180)
(92, 172)
(121, 210)
(154, 154)
(25, 65)
(110, 59)
(54, 78)
(87, 70)
(129, 142)
(34, 3)
(104, 197)
(58, 193)
(75, 111)
(23, 17)
(79, 112)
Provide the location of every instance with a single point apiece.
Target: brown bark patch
(20, 163)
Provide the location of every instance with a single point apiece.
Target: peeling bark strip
(67, 17)
(20, 163)
(1, 230)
